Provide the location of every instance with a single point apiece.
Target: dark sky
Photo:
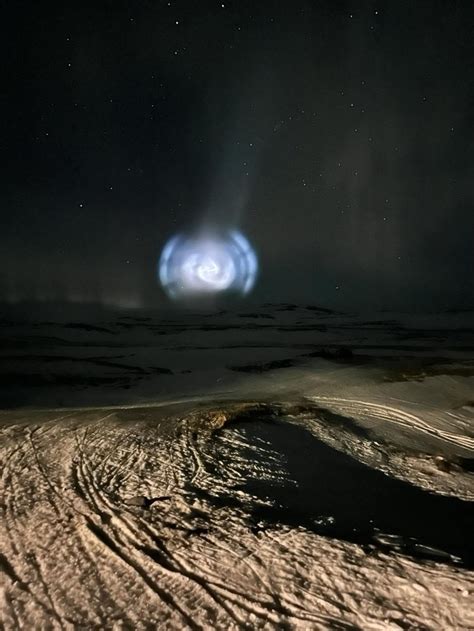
(338, 137)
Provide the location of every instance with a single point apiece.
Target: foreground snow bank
(122, 518)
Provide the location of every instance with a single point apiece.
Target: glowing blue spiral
(207, 265)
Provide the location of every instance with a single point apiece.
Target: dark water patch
(332, 494)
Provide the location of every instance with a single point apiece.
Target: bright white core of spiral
(200, 265)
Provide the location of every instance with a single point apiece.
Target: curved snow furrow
(272, 606)
(8, 571)
(98, 502)
(253, 605)
(120, 551)
(237, 603)
(13, 544)
(53, 494)
(210, 590)
(88, 492)
(174, 561)
(90, 488)
(194, 580)
(369, 410)
(198, 469)
(120, 542)
(40, 579)
(113, 472)
(136, 539)
(27, 536)
(186, 451)
(234, 549)
(103, 587)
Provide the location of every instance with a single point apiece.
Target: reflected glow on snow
(207, 264)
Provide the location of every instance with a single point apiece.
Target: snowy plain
(280, 467)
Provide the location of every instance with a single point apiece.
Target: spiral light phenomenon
(193, 265)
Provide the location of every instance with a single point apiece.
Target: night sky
(337, 137)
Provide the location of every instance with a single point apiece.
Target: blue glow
(207, 264)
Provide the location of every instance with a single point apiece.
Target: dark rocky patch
(35, 380)
(35, 341)
(419, 369)
(215, 419)
(435, 333)
(54, 359)
(443, 464)
(88, 327)
(319, 309)
(126, 325)
(229, 327)
(266, 316)
(260, 367)
(280, 306)
(161, 371)
(141, 501)
(466, 464)
(391, 325)
(342, 353)
(302, 327)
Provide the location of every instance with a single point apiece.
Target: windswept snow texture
(282, 468)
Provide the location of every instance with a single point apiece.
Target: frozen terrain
(285, 467)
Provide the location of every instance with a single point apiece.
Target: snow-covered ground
(279, 468)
